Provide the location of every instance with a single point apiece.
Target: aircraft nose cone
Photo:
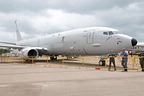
(133, 41)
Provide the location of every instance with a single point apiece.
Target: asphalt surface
(61, 80)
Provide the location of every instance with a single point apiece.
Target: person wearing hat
(124, 55)
(112, 60)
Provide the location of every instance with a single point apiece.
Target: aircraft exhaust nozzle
(133, 41)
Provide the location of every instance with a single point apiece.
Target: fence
(80, 61)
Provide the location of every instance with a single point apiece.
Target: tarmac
(62, 80)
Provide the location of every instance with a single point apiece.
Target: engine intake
(29, 53)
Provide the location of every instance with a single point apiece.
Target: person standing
(124, 55)
(141, 59)
(112, 60)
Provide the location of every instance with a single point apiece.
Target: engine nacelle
(29, 53)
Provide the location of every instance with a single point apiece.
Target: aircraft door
(90, 36)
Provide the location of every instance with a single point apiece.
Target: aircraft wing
(20, 47)
(11, 46)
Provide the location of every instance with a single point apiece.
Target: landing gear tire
(102, 62)
(53, 58)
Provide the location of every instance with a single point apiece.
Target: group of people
(124, 60)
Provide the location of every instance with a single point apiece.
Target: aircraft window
(111, 33)
(105, 33)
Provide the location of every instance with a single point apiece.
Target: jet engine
(29, 53)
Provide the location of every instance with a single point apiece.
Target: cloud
(80, 6)
(48, 21)
(38, 17)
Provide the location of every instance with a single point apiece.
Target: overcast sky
(40, 17)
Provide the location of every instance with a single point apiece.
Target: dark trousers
(124, 63)
(142, 63)
(110, 62)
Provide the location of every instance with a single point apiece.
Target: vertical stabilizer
(19, 38)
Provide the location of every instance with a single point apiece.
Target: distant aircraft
(84, 41)
(138, 48)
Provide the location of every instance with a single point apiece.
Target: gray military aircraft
(83, 41)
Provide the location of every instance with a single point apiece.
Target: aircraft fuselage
(85, 41)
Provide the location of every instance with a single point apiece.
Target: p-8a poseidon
(84, 41)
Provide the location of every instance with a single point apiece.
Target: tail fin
(19, 38)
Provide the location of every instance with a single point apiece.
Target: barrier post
(14, 59)
(65, 66)
(88, 59)
(33, 61)
(62, 61)
(105, 62)
(3, 58)
(46, 61)
(82, 61)
(82, 57)
(6, 58)
(22, 59)
(0, 58)
(133, 62)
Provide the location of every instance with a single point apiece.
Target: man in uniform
(141, 58)
(112, 60)
(124, 55)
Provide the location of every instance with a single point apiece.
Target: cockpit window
(111, 33)
(105, 33)
(108, 33)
